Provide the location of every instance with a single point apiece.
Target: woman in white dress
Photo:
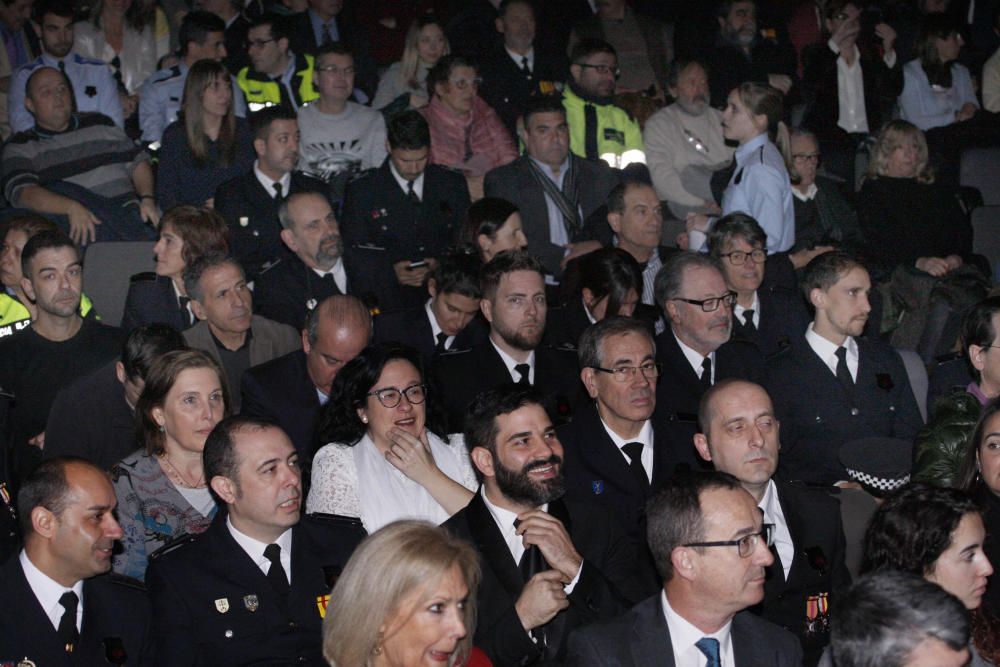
(387, 457)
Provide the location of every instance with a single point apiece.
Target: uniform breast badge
(222, 605)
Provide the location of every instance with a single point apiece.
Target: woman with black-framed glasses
(387, 456)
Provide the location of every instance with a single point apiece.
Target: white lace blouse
(358, 482)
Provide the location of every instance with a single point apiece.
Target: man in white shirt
(711, 549)
(740, 437)
(63, 608)
(549, 564)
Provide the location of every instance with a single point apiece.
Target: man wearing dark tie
(62, 608)
(549, 565)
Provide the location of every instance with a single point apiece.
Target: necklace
(180, 477)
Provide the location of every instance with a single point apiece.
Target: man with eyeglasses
(339, 138)
(695, 350)
(711, 549)
(597, 128)
(739, 436)
(276, 74)
(769, 316)
(832, 385)
(617, 453)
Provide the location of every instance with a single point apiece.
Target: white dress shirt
(255, 549)
(48, 591)
(645, 437)
(827, 351)
(695, 359)
(268, 182)
(557, 228)
(435, 327)
(339, 274)
(683, 637)
(808, 195)
(773, 514)
(418, 182)
(510, 362)
(738, 310)
(518, 58)
(852, 116)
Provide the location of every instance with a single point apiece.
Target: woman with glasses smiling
(388, 457)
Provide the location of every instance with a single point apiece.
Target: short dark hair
(486, 216)
(590, 351)
(885, 615)
(978, 329)
(735, 225)
(606, 272)
(203, 230)
(481, 428)
(441, 72)
(542, 104)
(147, 343)
(196, 269)
(44, 240)
(335, 48)
(457, 272)
(46, 486)
(911, 529)
(196, 27)
(260, 121)
(408, 130)
(587, 47)
(723, 8)
(219, 455)
(826, 270)
(674, 515)
(616, 198)
(504, 263)
(278, 25)
(61, 8)
(670, 277)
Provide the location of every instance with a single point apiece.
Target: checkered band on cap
(880, 483)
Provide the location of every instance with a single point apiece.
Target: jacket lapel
(600, 454)
(492, 546)
(650, 644)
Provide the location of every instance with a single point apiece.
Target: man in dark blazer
(253, 588)
(514, 305)
(516, 69)
(249, 203)
(832, 386)
(549, 565)
(308, 31)
(574, 190)
(409, 208)
(711, 550)
(740, 437)
(318, 267)
(449, 320)
(66, 509)
(768, 317)
(694, 351)
(290, 390)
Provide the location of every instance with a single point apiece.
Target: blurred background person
(404, 83)
(980, 477)
(493, 225)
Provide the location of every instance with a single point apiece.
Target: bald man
(290, 390)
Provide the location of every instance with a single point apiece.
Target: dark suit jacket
(515, 183)
(115, 615)
(151, 299)
(507, 89)
(244, 200)
(302, 39)
(817, 416)
(412, 327)
(819, 565)
(730, 66)
(280, 390)
(679, 392)
(285, 290)
(188, 582)
(783, 318)
(641, 637)
(604, 590)
(236, 45)
(90, 418)
(461, 375)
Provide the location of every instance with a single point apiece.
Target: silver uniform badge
(251, 602)
(222, 605)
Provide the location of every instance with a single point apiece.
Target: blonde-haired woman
(407, 79)
(407, 597)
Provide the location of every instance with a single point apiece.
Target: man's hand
(149, 211)
(846, 34)
(936, 266)
(782, 82)
(38, 441)
(410, 277)
(82, 224)
(967, 111)
(578, 249)
(711, 208)
(887, 34)
(549, 535)
(541, 599)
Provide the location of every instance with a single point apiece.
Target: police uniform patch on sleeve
(611, 134)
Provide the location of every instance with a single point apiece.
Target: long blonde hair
(763, 100)
(202, 75)
(390, 565)
(409, 64)
(893, 135)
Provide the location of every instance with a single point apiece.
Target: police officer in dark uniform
(253, 588)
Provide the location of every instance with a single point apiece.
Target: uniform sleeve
(764, 187)
(914, 100)
(150, 112)
(172, 620)
(111, 106)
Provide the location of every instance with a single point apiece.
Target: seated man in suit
(549, 565)
(711, 549)
(694, 351)
(513, 303)
(832, 385)
(291, 389)
(228, 330)
(448, 320)
(94, 418)
(64, 609)
(771, 317)
(740, 437)
(409, 208)
(252, 588)
(249, 203)
(555, 191)
(318, 267)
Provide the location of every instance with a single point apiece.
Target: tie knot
(748, 315)
(69, 601)
(633, 450)
(524, 371)
(841, 353)
(709, 646)
(277, 190)
(273, 553)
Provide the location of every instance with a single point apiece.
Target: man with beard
(742, 53)
(739, 436)
(253, 588)
(318, 267)
(832, 386)
(549, 565)
(59, 346)
(513, 302)
(684, 143)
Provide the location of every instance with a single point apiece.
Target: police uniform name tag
(222, 605)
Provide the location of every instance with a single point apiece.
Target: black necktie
(524, 370)
(442, 338)
(277, 191)
(706, 374)
(276, 573)
(68, 633)
(183, 301)
(748, 320)
(532, 562)
(411, 193)
(590, 131)
(633, 450)
(525, 67)
(843, 372)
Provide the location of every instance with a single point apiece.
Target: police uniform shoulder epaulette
(367, 173)
(270, 266)
(454, 353)
(83, 60)
(167, 74)
(128, 582)
(144, 277)
(171, 546)
(368, 246)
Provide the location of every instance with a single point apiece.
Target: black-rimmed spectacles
(747, 544)
(390, 396)
(650, 371)
(710, 305)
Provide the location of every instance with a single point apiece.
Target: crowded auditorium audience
(600, 333)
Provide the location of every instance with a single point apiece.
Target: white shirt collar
(510, 362)
(827, 350)
(808, 195)
(695, 358)
(684, 635)
(48, 591)
(435, 327)
(547, 170)
(518, 58)
(418, 182)
(268, 182)
(338, 272)
(773, 514)
(255, 548)
(755, 306)
(586, 310)
(504, 519)
(645, 435)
